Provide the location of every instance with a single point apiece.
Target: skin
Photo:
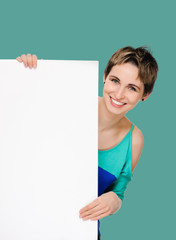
(28, 60)
(113, 127)
(123, 85)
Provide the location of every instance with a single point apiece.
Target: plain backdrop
(94, 30)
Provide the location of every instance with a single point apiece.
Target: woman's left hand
(105, 205)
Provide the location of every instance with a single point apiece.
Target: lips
(116, 103)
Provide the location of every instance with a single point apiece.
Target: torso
(111, 163)
(108, 139)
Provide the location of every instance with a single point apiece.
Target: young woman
(129, 77)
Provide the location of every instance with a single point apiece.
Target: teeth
(118, 103)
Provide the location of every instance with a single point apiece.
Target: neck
(106, 119)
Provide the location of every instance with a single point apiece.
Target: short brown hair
(140, 57)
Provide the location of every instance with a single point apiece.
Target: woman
(129, 77)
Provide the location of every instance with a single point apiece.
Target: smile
(116, 103)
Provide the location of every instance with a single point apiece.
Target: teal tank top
(115, 167)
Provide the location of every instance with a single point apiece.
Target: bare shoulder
(137, 145)
(137, 136)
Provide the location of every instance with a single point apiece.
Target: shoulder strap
(130, 149)
(132, 127)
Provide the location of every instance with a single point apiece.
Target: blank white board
(48, 149)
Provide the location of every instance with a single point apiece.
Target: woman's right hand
(28, 60)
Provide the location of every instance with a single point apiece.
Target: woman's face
(122, 89)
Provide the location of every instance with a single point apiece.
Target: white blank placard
(48, 149)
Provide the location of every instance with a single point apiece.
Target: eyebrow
(130, 84)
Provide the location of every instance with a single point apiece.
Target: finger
(29, 60)
(89, 206)
(105, 214)
(96, 214)
(91, 211)
(24, 60)
(34, 61)
(19, 59)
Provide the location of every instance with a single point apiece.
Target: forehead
(126, 72)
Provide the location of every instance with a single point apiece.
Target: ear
(145, 96)
(104, 80)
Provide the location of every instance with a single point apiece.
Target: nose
(120, 93)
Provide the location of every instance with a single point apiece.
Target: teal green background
(94, 30)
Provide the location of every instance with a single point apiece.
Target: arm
(119, 186)
(137, 145)
(111, 201)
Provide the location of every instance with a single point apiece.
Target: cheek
(108, 88)
(106, 93)
(135, 100)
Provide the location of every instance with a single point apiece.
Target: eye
(133, 89)
(114, 80)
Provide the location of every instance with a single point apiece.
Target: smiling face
(123, 89)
